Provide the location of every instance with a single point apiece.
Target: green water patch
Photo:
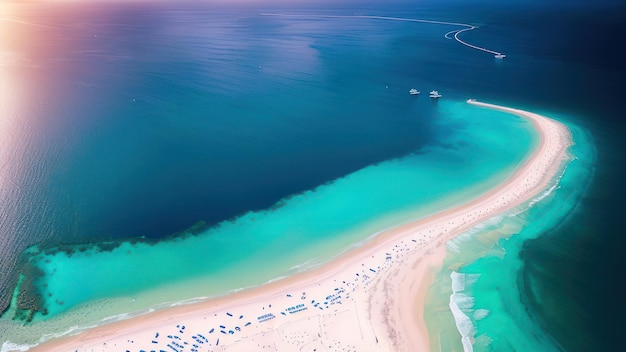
(482, 291)
(82, 285)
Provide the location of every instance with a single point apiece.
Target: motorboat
(435, 94)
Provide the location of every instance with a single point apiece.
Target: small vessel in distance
(435, 94)
(413, 91)
(500, 56)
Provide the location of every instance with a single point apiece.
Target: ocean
(153, 136)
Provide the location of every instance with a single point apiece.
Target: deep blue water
(120, 124)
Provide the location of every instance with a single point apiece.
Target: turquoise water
(486, 267)
(80, 285)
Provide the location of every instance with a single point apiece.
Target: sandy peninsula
(369, 299)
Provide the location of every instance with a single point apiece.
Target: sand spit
(369, 299)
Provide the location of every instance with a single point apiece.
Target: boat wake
(454, 34)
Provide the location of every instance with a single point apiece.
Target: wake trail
(467, 27)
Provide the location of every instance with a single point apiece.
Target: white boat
(413, 91)
(435, 94)
(500, 56)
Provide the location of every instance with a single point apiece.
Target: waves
(461, 303)
(491, 295)
(9, 346)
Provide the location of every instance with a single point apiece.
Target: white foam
(463, 301)
(480, 314)
(309, 264)
(455, 243)
(459, 300)
(125, 316)
(492, 222)
(461, 281)
(278, 278)
(458, 282)
(463, 324)
(368, 239)
(116, 318)
(467, 344)
(189, 301)
(543, 195)
(9, 346)
(453, 246)
(69, 331)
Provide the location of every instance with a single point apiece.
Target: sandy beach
(368, 299)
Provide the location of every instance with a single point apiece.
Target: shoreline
(369, 287)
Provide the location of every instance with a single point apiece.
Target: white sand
(370, 299)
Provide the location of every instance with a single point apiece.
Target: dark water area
(569, 59)
(574, 270)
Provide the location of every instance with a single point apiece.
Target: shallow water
(311, 227)
(484, 272)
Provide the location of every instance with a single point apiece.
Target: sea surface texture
(154, 154)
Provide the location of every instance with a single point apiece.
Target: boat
(435, 94)
(413, 91)
(500, 56)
